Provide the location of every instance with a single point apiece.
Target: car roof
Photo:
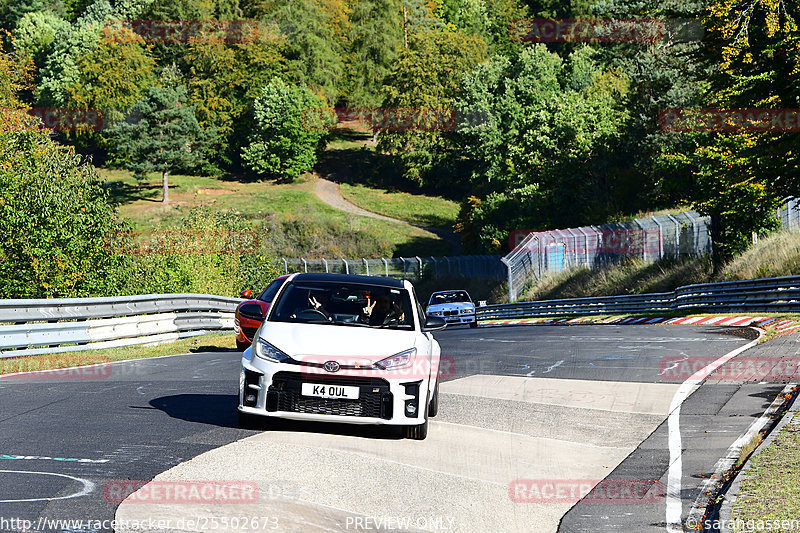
(451, 291)
(375, 281)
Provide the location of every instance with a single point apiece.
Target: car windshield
(344, 304)
(449, 297)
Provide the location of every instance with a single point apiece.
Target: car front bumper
(274, 389)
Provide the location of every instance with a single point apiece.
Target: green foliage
(376, 40)
(54, 222)
(161, 134)
(36, 31)
(545, 126)
(290, 125)
(216, 266)
(316, 34)
(426, 78)
(224, 80)
(113, 76)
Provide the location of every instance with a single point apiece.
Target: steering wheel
(313, 313)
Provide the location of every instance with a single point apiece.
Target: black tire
(241, 346)
(433, 407)
(417, 432)
(473, 324)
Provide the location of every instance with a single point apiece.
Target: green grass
(770, 488)
(205, 343)
(416, 208)
(298, 224)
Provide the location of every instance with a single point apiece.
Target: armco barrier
(30, 327)
(758, 295)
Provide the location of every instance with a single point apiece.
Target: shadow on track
(220, 410)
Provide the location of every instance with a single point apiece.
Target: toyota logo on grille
(331, 366)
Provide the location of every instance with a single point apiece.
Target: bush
(289, 130)
(54, 221)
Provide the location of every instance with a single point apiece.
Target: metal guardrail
(37, 326)
(758, 295)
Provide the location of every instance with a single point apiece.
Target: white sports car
(455, 307)
(342, 348)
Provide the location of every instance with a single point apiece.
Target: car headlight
(398, 360)
(268, 352)
(467, 311)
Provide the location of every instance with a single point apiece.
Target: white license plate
(333, 392)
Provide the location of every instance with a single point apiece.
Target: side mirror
(247, 294)
(434, 323)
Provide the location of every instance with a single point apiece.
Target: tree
(376, 40)
(55, 218)
(223, 82)
(113, 76)
(290, 125)
(548, 128)
(161, 134)
(426, 78)
(316, 40)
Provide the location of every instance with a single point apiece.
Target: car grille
(450, 313)
(374, 398)
(249, 332)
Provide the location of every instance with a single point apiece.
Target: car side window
(420, 310)
(272, 289)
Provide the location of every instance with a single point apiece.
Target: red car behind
(250, 313)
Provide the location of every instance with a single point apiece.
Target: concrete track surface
(537, 405)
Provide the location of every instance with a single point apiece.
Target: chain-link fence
(650, 239)
(789, 214)
(412, 268)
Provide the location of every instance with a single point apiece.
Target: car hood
(309, 342)
(451, 306)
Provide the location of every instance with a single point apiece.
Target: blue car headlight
(398, 360)
(268, 352)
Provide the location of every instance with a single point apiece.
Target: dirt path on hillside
(328, 191)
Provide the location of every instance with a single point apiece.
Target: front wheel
(473, 324)
(241, 346)
(417, 432)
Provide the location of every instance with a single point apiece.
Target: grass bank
(416, 208)
(775, 255)
(204, 343)
(769, 490)
(296, 223)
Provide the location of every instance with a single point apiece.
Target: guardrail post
(305, 264)
(285, 265)
(385, 265)
(404, 267)
(366, 265)
(420, 266)
(435, 267)
(326, 265)
(346, 266)
(510, 279)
